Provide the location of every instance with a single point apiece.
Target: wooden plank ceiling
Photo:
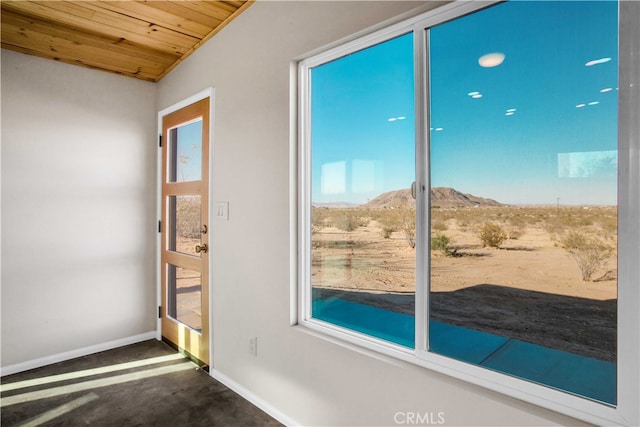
(141, 39)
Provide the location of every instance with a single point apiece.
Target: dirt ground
(188, 288)
(529, 288)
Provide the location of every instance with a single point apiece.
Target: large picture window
(460, 197)
(523, 176)
(363, 232)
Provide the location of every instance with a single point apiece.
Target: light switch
(222, 210)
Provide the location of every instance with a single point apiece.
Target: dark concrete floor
(163, 390)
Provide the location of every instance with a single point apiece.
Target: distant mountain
(392, 198)
(448, 197)
(440, 196)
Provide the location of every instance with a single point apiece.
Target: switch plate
(222, 210)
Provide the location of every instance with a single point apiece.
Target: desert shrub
(584, 222)
(553, 225)
(514, 232)
(589, 252)
(386, 231)
(440, 242)
(188, 217)
(318, 219)
(518, 220)
(346, 220)
(492, 235)
(571, 217)
(408, 225)
(389, 220)
(363, 221)
(609, 223)
(399, 218)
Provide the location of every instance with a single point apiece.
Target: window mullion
(629, 211)
(422, 184)
(304, 230)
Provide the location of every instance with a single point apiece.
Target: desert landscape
(187, 284)
(541, 274)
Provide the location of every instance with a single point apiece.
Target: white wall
(78, 208)
(310, 379)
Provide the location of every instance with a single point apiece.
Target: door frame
(206, 93)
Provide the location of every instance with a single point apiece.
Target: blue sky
(189, 166)
(539, 126)
(353, 142)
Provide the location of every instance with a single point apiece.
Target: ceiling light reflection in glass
(491, 60)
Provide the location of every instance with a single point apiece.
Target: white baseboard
(254, 399)
(61, 357)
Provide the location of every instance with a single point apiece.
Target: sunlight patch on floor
(88, 372)
(60, 410)
(92, 384)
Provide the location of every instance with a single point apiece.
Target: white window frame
(626, 411)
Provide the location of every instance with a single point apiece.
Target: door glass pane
(523, 218)
(185, 152)
(184, 299)
(363, 215)
(185, 223)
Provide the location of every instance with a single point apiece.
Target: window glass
(184, 300)
(185, 224)
(185, 152)
(362, 213)
(523, 201)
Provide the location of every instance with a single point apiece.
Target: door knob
(202, 248)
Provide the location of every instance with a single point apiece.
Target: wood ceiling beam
(141, 39)
(81, 48)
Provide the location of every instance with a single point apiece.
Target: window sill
(539, 395)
